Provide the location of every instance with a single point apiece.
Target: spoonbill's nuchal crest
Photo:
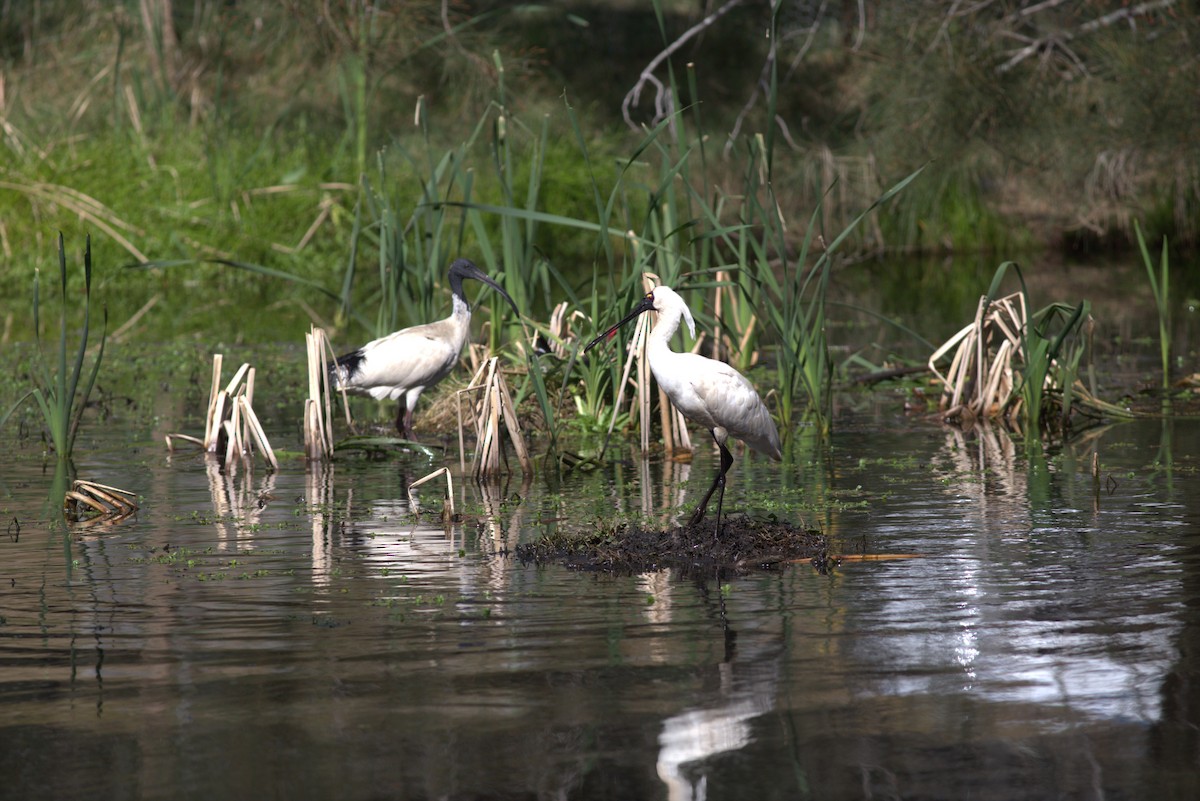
(708, 392)
(402, 365)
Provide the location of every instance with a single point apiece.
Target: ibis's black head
(644, 305)
(464, 268)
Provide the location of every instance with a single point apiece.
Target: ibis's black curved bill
(465, 268)
(646, 304)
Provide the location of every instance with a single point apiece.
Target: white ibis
(708, 392)
(402, 365)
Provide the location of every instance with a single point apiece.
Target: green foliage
(1051, 349)
(1160, 285)
(59, 393)
(947, 211)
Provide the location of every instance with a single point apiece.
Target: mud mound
(745, 545)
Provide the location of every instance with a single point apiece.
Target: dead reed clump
(981, 378)
(89, 503)
(232, 430)
(491, 413)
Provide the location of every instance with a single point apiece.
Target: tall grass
(62, 392)
(791, 297)
(1160, 285)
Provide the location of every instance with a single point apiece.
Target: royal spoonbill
(708, 392)
(402, 365)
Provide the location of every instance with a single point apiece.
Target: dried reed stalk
(231, 416)
(980, 379)
(448, 512)
(109, 504)
(725, 297)
(496, 402)
(318, 407)
(561, 333)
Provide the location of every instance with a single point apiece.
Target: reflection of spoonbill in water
(708, 392)
(404, 364)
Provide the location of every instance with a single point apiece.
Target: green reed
(1160, 284)
(1051, 349)
(59, 392)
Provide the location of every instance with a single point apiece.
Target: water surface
(303, 635)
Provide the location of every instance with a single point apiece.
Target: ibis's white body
(402, 365)
(408, 362)
(707, 392)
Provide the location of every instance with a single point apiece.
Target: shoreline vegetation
(332, 159)
(183, 130)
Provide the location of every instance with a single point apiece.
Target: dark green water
(301, 635)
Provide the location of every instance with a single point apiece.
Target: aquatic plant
(59, 393)
(231, 428)
(1014, 365)
(495, 404)
(1160, 286)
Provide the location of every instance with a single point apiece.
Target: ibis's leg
(408, 404)
(402, 418)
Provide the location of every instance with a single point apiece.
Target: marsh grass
(1160, 285)
(62, 392)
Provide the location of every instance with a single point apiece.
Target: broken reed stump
(232, 429)
(318, 407)
(448, 513)
(89, 503)
(495, 404)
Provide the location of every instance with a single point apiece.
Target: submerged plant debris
(745, 544)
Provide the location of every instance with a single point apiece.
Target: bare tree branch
(634, 95)
(1124, 13)
(1060, 38)
(761, 83)
(811, 30)
(1029, 11)
(451, 34)
(862, 26)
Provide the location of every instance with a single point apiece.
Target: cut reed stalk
(496, 404)
(232, 429)
(318, 407)
(448, 512)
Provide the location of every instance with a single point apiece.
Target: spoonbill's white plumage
(402, 365)
(708, 392)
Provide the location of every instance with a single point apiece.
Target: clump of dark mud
(745, 545)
